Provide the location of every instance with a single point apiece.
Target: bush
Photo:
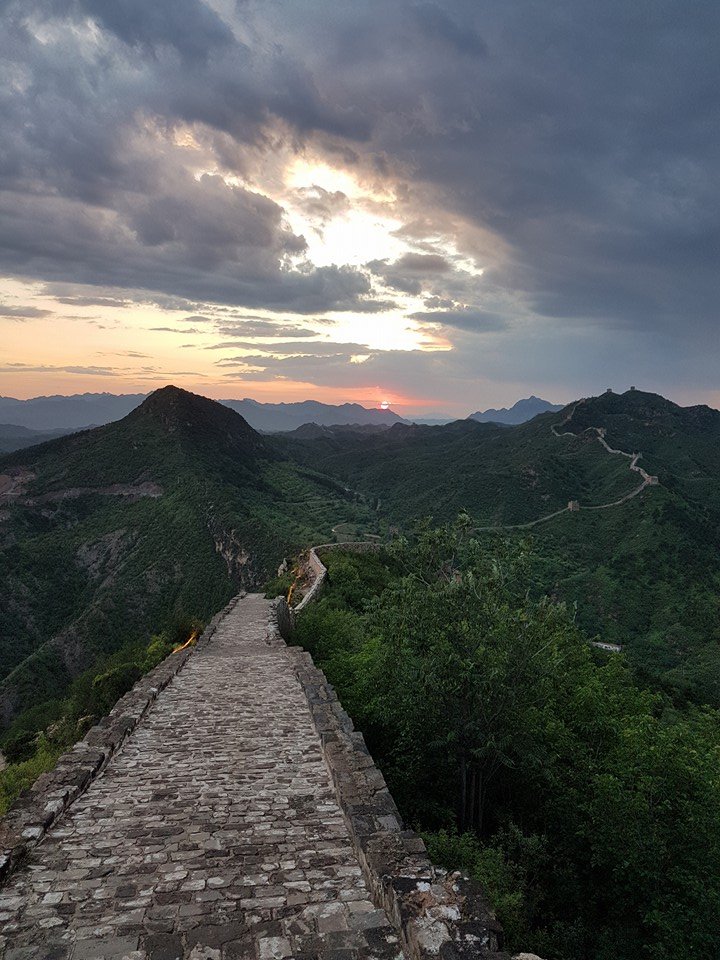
(108, 687)
(279, 586)
(510, 883)
(586, 805)
(20, 776)
(20, 747)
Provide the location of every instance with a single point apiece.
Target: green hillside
(644, 573)
(500, 475)
(585, 805)
(107, 535)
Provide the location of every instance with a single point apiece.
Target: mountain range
(640, 559)
(80, 411)
(74, 412)
(107, 534)
(276, 417)
(13, 437)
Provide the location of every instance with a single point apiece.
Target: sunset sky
(440, 205)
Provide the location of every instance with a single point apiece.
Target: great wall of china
(574, 506)
(226, 809)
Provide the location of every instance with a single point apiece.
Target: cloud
(439, 26)
(264, 328)
(124, 353)
(94, 187)
(94, 301)
(321, 205)
(464, 318)
(412, 272)
(194, 30)
(566, 137)
(144, 146)
(301, 348)
(53, 368)
(176, 330)
(23, 313)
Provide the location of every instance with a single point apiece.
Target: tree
(471, 656)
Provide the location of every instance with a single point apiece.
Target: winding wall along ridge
(573, 505)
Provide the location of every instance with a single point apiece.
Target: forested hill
(644, 573)
(108, 535)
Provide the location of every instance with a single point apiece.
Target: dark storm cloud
(582, 137)
(207, 241)
(194, 30)
(439, 26)
(90, 192)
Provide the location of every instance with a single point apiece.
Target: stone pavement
(214, 834)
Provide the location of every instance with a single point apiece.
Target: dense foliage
(645, 574)
(120, 529)
(38, 736)
(586, 804)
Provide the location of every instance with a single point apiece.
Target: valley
(529, 555)
(107, 534)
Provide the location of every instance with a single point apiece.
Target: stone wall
(32, 815)
(285, 613)
(437, 914)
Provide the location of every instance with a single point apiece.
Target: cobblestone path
(213, 834)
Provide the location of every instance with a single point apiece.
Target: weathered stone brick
(230, 820)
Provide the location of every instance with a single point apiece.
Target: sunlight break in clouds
(418, 183)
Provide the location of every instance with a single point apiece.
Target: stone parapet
(437, 914)
(318, 571)
(33, 814)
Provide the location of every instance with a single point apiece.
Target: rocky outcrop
(236, 557)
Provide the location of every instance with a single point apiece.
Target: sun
(385, 405)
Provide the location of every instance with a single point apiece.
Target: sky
(443, 206)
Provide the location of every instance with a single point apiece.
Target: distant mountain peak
(520, 412)
(179, 411)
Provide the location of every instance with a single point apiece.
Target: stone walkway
(214, 834)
